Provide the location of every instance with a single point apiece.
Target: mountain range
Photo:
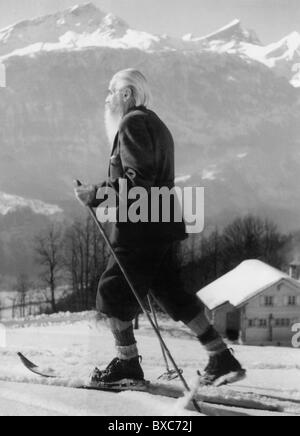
(231, 103)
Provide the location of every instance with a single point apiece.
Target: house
(255, 303)
(295, 269)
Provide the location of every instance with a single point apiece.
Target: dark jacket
(143, 154)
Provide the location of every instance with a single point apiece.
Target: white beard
(112, 124)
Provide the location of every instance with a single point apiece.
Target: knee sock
(124, 338)
(212, 341)
(207, 335)
(199, 324)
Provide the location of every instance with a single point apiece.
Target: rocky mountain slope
(231, 103)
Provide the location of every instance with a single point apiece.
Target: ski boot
(119, 374)
(222, 369)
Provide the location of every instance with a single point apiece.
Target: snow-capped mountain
(232, 32)
(86, 26)
(52, 29)
(233, 113)
(13, 203)
(283, 56)
(286, 49)
(78, 27)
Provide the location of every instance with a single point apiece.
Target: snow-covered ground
(74, 344)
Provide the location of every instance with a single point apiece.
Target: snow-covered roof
(242, 283)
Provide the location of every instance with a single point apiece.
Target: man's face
(114, 111)
(114, 102)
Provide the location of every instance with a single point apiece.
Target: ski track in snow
(42, 400)
(73, 348)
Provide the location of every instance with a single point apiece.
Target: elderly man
(143, 155)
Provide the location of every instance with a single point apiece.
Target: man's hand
(85, 194)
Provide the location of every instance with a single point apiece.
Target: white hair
(138, 84)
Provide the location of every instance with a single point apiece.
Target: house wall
(263, 317)
(219, 317)
(263, 330)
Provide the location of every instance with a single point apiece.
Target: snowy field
(37, 297)
(74, 344)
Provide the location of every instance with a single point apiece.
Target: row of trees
(204, 258)
(76, 254)
(73, 255)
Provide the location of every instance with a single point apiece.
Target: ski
(206, 407)
(173, 391)
(223, 399)
(47, 373)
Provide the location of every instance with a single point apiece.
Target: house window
(260, 323)
(251, 323)
(292, 301)
(269, 301)
(263, 323)
(282, 322)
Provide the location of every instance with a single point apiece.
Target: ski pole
(170, 374)
(128, 280)
(157, 326)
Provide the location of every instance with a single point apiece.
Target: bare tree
(22, 287)
(49, 253)
(13, 306)
(274, 245)
(252, 238)
(86, 257)
(209, 256)
(210, 263)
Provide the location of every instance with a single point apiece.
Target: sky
(271, 19)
